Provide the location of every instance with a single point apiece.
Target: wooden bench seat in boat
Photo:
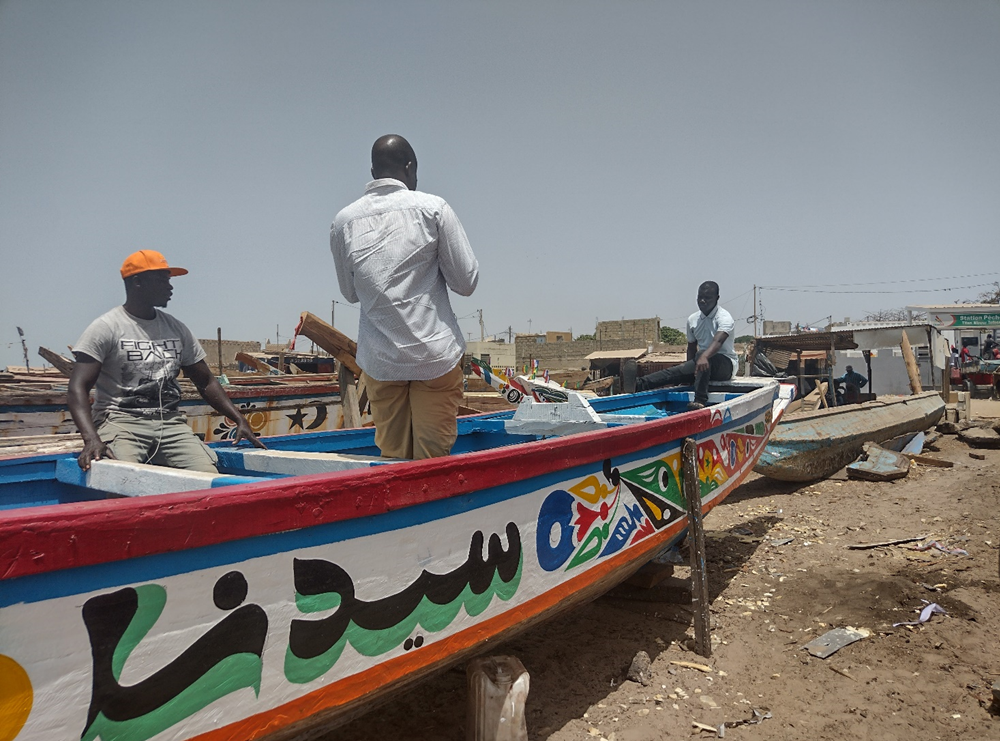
(140, 479)
(293, 463)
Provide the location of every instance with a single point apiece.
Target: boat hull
(814, 445)
(268, 609)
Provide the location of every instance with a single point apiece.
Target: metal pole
(755, 310)
(696, 541)
(219, 332)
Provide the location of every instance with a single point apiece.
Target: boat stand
(700, 602)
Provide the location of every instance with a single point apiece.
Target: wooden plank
(926, 460)
(63, 365)
(911, 365)
(335, 342)
(260, 365)
(349, 398)
(696, 536)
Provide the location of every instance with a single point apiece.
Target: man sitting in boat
(710, 352)
(133, 354)
(398, 251)
(853, 383)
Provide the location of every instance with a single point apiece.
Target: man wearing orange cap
(133, 355)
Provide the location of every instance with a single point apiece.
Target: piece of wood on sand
(61, 364)
(335, 342)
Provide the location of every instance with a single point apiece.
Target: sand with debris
(768, 600)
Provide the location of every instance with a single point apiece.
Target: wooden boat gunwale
(94, 532)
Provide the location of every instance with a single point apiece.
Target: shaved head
(393, 157)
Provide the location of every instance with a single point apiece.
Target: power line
(886, 282)
(806, 289)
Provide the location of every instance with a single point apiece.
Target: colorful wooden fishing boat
(310, 580)
(807, 446)
(271, 409)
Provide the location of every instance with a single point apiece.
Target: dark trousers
(720, 368)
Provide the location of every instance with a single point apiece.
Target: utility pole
(24, 347)
(333, 313)
(482, 328)
(755, 310)
(510, 333)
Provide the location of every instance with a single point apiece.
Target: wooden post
(833, 361)
(348, 397)
(799, 361)
(911, 365)
(219, 333)
(696, 541)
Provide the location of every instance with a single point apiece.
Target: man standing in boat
(398, 251)
(133, 354)
(710, 352)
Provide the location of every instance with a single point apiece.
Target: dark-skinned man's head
(393, 157)
(708, 296)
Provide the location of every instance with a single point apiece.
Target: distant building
(558, 336)
(644, 331)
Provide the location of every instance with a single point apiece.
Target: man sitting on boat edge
(133, 354)
(710, 352)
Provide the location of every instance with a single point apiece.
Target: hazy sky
(604, 157)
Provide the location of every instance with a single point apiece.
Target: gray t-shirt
(140, 360)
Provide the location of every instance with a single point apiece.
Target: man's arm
(459, 265)
(85, 373)
(211, 391)
(692, 350)
(345, 276)
(716, 344)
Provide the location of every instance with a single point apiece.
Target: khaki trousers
(416, 419)
(160, 442)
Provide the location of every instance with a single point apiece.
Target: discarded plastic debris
(781, 541)
(755, 718)
(834, 640)
(925, 614)
(879, 464)
(940, 547)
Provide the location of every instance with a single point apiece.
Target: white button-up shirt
(398, 251)
(702, 329)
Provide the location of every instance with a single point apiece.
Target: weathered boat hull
(265, 609)
(813, 445)
(270, 410)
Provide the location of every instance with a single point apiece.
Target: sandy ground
(768, 600)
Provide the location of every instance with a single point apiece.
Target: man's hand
(93, 450)
(701, 364)
(244, 432)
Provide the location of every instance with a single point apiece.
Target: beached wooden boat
(308, 581)
(270, 408)
(807, 446)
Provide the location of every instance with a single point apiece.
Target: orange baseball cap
(143, 260)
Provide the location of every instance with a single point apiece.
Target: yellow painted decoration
(15, 698)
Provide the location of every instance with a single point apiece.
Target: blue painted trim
(51, 585)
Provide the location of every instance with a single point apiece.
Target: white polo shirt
(702, 329)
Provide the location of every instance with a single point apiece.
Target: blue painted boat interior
(57, 479)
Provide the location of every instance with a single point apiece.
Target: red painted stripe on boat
(43, 539)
